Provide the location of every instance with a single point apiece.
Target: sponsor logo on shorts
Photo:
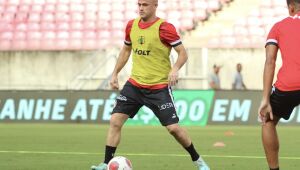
(166, 106)
(122, 98)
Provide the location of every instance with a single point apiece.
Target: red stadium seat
(89, 34)
(76, 16)
(62, 8)
(11, 8)
(48, 26)
(39, 2)
(213, 5)
(48, 17)
(21, 27)
(5, 45)
(34, 44)
(6, 35)
(89, 44)
(33, 26)
(76, 25)
(19, 45)
(27, 2)
(76, 7)
(76, 44)
(8, 17)
(4, 26)
(62, 26)
(34, 35)
(64, 1)
(91, 7)
(20, 36)
(48, 45)
(49, 35)
(13, 2)
(21, 17)
(37, 8)
(63, 35)
(49, 8)
(90, 16)
(62, 17)
(34, 17)
(89, 25)
(76, 35)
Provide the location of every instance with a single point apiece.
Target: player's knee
(116, 124)
(174, 130)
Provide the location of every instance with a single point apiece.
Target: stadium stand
(65, 24)
(251, 31)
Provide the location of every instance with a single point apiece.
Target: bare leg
(114, 133)
(271, 142)
(179, 134)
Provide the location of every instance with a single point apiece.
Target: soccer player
(280, 100)
(150, 39)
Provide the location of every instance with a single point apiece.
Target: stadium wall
(89, 70)
(47, 70)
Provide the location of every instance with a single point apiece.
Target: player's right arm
(265, 110)
(121, 61)
(123, 57)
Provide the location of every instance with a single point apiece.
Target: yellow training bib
(151, 62)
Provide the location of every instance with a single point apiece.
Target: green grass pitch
(78, 146)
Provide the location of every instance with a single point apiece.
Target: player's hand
(114, 84)
(265, 112)
(173, 77)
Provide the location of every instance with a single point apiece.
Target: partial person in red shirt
(280, 99)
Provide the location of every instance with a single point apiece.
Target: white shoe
(201, 165)
(101, 166)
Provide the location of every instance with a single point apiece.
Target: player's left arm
(171, 38)
(181, 60)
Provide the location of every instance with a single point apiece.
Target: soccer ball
(119, 163)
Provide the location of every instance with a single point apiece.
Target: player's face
(147, 9)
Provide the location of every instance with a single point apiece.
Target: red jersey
(286, 35)
(167, 32)
(168, 36)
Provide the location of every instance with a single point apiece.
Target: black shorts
(160, 101)
(284, 102)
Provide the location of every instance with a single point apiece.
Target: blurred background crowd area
(74, 44)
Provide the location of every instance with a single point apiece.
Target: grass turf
(78, 146)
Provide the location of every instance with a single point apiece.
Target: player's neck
(150, 19)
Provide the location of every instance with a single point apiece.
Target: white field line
(145, 154)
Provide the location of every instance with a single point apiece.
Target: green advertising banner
(192, 107)
(56, 106)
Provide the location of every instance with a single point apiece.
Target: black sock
(274, 169)
(194, 155)
(109, 153)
